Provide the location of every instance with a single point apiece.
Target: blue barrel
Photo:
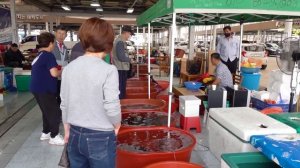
(251, 81)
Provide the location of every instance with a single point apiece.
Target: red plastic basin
(133, 105)
(174, 106)
(163, 84)
(139, 83)
(140, 93)
(173, 164)
(136, 119)
(139, 147)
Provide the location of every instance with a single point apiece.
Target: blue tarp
(282, 149)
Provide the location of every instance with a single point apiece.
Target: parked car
(256, 51)
(130, 47)
(30, 42)
(272, 49)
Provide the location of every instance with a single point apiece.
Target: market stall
(201, 12)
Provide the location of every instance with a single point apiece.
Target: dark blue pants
(122, 83)
(91, 149)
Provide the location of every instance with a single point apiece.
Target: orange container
(173, 164)
(132, 105)
(137, 119)
(139, 147)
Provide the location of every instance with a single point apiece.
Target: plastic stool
(187, 123)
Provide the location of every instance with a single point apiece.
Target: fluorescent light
(66, 7)
(130, 10)
(99, 9)
(95, 3)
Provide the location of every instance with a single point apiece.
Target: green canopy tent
(212, 12)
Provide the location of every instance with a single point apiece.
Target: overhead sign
(5, 26)
(29, 17)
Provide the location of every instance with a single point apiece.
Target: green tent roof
(210, 12)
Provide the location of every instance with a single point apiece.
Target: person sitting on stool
(223, 77)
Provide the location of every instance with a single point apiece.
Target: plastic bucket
(251, 81)
(173, 164)
(129, 105)
(149, 139)
(23, 82)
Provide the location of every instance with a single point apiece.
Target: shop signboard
(5, 26)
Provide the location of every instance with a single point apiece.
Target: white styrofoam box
(189, 106)
(230, 129)
(261, 95)
(224, 164)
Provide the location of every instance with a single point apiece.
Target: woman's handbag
(64, 159)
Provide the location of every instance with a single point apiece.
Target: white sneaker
(45, 137)
(58, 140)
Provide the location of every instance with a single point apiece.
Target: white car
(256, 51)
(130, 47)
(30, 42)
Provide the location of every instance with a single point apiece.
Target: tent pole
(149, 52)
(241, 42)
(205, 48)
(137, 56)
(171, 67)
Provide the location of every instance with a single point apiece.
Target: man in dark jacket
(13, 57)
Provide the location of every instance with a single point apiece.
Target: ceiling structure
(84, 6)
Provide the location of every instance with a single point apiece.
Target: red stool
(187, 123)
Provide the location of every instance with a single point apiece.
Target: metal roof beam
(38, 4)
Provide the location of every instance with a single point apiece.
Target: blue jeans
(91, 149)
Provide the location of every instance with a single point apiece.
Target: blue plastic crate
(260, 105)
(192, 85)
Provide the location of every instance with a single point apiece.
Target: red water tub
(173, 164)
(139, 83)
(140, 105)
(139, 147)
(140, 92)
(174, 106)
(136, 119)
(163, 84)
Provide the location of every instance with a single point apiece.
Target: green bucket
(23, 82)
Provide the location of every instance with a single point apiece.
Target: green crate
(290, 119)
(23, 82)
(248, 160)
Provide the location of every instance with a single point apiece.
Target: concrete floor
(20, 147)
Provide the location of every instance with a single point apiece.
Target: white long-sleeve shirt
(228, 48)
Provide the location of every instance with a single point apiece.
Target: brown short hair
(96, 35)
(45, 39)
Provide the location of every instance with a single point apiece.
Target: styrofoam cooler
(230, 129)
(189, 106)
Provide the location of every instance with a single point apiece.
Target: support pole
(171, 67)
(191, 41)
(205, 49)
(29, 29)
(51, 26)
(214, 42)
(137, 55)
(47, 26)
(241, 42)
(15, 38)
(149, 52)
